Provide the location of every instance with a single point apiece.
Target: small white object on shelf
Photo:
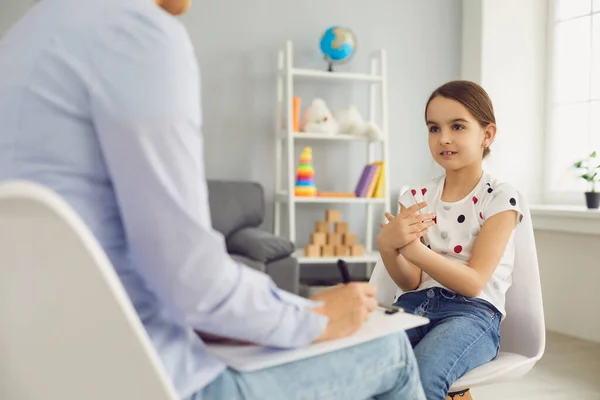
(285, 146)
(325, 136)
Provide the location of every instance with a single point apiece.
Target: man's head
(175, 7)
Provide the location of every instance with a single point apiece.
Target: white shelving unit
(286, 138)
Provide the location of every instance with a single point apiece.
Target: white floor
(569, 370)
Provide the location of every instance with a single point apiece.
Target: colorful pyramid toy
(305, 182)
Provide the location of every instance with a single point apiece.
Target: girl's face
(456, 139)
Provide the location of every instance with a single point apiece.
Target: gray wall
(236, 44)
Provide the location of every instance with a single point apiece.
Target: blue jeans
(383, 369)
(464, 333)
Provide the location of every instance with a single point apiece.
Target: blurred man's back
(53, 68)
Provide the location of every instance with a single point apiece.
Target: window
(573, 113)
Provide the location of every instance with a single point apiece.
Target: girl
(450, 249)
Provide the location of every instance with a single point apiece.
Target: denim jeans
(382, 369)
(464, 333)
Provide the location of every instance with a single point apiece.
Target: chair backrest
(67, 327)
(523, 330)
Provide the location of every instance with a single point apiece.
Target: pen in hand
(343, 268)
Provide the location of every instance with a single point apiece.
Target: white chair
(523, 331)
(67, 328)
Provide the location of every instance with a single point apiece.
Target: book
(374, 180)
(363, 181)
(380, 186)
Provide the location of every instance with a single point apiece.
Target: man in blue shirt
(99, 101)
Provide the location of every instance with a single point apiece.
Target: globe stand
(330, 67)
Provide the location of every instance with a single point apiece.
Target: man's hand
(347, 307)
(404, 228)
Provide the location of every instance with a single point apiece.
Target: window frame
(550, 196)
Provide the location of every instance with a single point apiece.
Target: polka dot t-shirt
(457, 225)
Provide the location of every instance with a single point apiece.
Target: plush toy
(351, 122)
(318, 119)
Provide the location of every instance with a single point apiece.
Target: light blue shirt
(99, 101)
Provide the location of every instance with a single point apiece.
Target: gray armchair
(237, 210)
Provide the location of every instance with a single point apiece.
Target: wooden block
(318, 238)
(322, 227)
(333, 216)
(312, 250)
(341, 227)
(327, 251)
(334, 238)
(348, 239)
(340, 250)
(357, 250)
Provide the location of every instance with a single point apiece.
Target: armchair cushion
(235, 205)
(259, 245)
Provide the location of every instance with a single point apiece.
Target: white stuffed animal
(351, 122)
(318, 119)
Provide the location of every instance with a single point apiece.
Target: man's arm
(146, 110)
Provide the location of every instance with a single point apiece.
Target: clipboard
(254, 358)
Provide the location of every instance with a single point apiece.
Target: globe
(338, 45)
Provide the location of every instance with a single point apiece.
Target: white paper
(252, 358)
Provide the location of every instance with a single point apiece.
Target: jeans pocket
(447, 294)
(475, 303)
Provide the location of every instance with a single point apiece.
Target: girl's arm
(404, 273)
(467, 280)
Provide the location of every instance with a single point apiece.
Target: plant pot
(592, 199)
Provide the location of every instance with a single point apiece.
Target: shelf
(282, 196)
(324, 136)
(565, 219)
(289, 208)
(368, 257)
(335, 76)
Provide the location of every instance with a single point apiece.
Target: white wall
(509, 60)
(237, 42)
(504, 50)
(570, 271)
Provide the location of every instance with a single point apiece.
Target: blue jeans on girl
(464, 333)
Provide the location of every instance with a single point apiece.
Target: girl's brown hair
(473, 97)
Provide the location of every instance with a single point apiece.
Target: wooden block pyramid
(305, 182)
(336, 242)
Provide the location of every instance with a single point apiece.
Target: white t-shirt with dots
(458, 224)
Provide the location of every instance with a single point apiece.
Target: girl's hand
(404, 228)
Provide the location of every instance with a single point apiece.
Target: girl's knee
(434, 377)
(434, 383)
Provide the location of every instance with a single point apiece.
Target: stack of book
(372, 181)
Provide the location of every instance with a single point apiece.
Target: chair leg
(462, 395)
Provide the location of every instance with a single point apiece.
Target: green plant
(588, 170)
